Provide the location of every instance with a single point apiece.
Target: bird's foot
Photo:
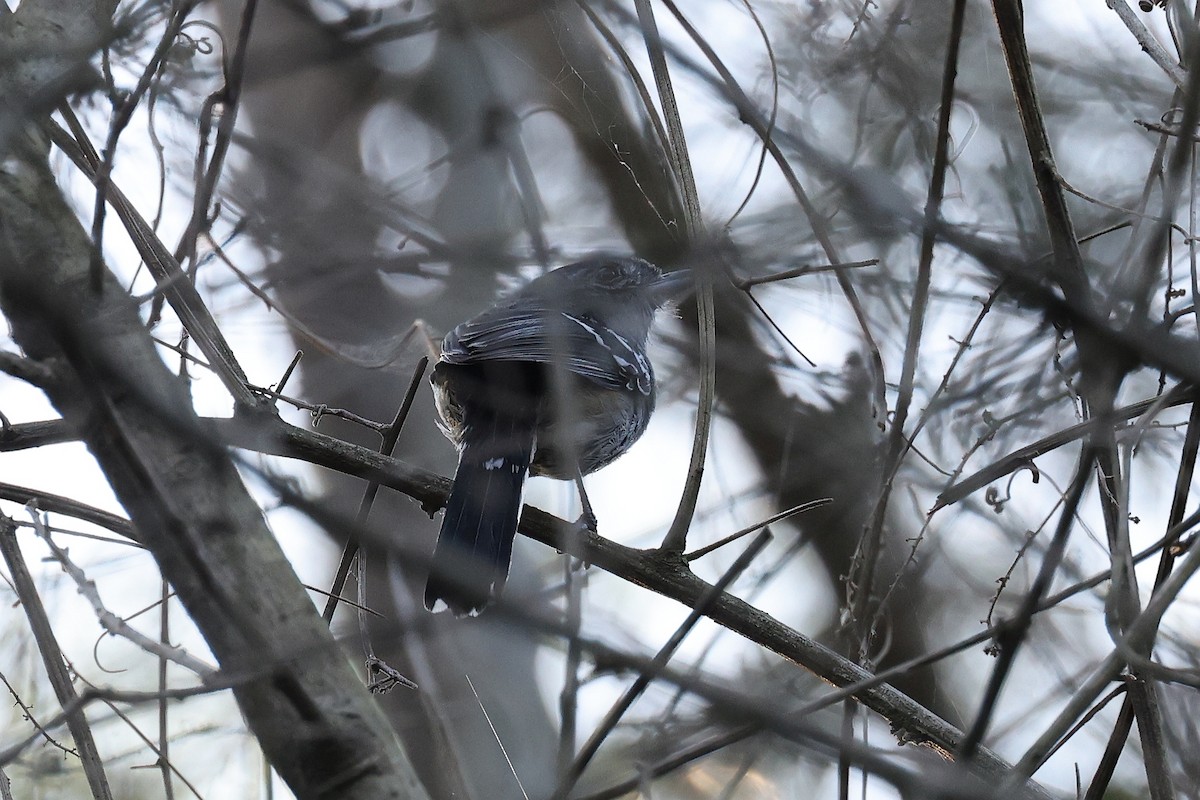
(587, 522)
(574, 532)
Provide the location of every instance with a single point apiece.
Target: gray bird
(554, 380)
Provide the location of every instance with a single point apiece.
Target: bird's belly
(603, 426)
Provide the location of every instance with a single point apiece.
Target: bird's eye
(611, 275)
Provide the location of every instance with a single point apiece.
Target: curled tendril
(992, 495)
(202, 45)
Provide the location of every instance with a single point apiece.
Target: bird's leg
(587, 520)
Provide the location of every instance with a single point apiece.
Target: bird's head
(622, 291)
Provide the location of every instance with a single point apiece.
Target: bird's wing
(537, 334)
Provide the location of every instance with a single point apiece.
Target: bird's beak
(673, 286)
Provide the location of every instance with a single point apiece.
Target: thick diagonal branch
(311, 714)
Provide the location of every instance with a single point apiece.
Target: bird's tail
(474, 548)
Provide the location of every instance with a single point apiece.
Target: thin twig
(113, 623)
(496, 735)
(749, 114)
(863, 578)
(391, 436)
(161, 757)
(164, 736)
(1011, 639)
(1023, 457)
(796, 272)
(771, 520)
(183, 296)
(28, 715)
(675, 540)
(568, 698)
(319, 410)
(660, 660)
(771, 118)
(54, 661)
(1089, 716)
(287, 373)
(91, 695)
(1148, 43)
(926, 415)
(229, 96)
(57, 504)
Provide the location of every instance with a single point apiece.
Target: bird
(553, 381)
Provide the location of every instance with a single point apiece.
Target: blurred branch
(568, 696)
(1112, 752)
(751, 115)
(45, 53)
(208, 174)
(53, 660)
(720, 741)
(656, 570)
(862, 579)
(171, 279)
(1136, 636)
(1147, 711)
(1014, 636)
(123, 107)
(1146, 263)
(1123, 603)
(630, 70)
(207, 534)
(25, 369)
(112, 623)
(661, 572)
(660, 660)
(45, 501)
(1068, 266)
(675, 540)
(161, 754)
(390, 436)
(1023, 457)
(1140, 631)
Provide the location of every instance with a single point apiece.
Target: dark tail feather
(470, 562)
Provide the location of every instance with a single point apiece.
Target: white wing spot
(586, 327)
(493, 463)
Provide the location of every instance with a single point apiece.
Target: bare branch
(55, 663)
(114, 624)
